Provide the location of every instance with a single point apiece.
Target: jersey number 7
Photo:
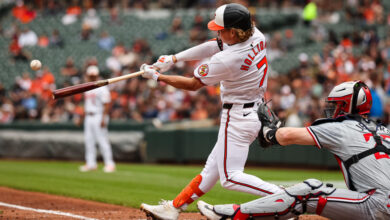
(260, 65)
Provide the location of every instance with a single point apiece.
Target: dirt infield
(76, 208)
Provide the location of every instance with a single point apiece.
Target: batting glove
(149, 72)
(164, 63)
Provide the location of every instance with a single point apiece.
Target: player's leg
(347, 204)
(105, 147)
(311, 197)
(89, 142)
(197, 187)
(238, 135)
(201, 184)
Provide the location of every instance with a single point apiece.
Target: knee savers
(283, 202)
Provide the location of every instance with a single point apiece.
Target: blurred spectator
(106, 42)
(12, 31)
(74, 8)
(52, 8)
(24, 82)
(72, 13)
(6, 113)
(359, 53)
(43, 40)
(377, 106)
(113, 64)
(17, 53)
(287, 99)
(114, 16)
(69, 69)
(27, 38)
(309, 12)
(91, 20)
(23, 13)
(176, 27)
(56, 39)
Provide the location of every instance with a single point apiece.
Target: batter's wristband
(271, 137)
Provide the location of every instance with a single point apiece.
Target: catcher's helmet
(353, 97)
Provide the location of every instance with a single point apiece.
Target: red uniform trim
(341, 168)
(330, 198)
(225, 159)
(321, 205)
(225, 152)
(314, 137)
(239, 215)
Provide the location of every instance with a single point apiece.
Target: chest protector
(370, 126)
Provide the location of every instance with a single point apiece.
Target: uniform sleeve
(328, 135)
(212, 72)
(201, 51)
(105, 95)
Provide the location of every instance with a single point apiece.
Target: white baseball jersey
(241, 70)
(95, 99)
(93, 132)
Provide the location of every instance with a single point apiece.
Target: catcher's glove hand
(269, 121)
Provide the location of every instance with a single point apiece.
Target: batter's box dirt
(88, 209)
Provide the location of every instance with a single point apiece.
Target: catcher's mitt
(269, 121)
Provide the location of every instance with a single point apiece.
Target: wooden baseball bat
(72, 90)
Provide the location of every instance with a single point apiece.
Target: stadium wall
(135, 142)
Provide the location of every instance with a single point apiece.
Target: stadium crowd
(296, 96)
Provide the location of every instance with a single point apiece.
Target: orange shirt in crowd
(43, 41)
(23, 14)
(36, 86)
(73, 10)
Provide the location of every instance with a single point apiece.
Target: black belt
(90, 113)
(230, 105)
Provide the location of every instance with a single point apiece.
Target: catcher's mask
(353, 97)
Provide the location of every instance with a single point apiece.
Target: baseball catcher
(361, 147)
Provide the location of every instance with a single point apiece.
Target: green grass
(132, 184)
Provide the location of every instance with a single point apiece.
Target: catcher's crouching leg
(283, 205)
(190, 193)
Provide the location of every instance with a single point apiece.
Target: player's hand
(165, 62)
(78, 121)
(149, 72)
(103, 123)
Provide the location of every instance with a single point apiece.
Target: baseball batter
(96, 108)
(238, 62)
(362, 149)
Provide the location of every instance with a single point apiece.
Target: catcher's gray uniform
(369, 177)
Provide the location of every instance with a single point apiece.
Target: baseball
(35, 64)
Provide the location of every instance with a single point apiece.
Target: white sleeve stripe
(348, 200)
(314, 136)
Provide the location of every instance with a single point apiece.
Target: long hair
(244, 35)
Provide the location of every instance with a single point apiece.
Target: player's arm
(106, 109)
(201, 51)
(272, 134)
(288, 136)
(181, 82)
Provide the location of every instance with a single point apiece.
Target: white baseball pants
(238, 129)
(94, 133)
